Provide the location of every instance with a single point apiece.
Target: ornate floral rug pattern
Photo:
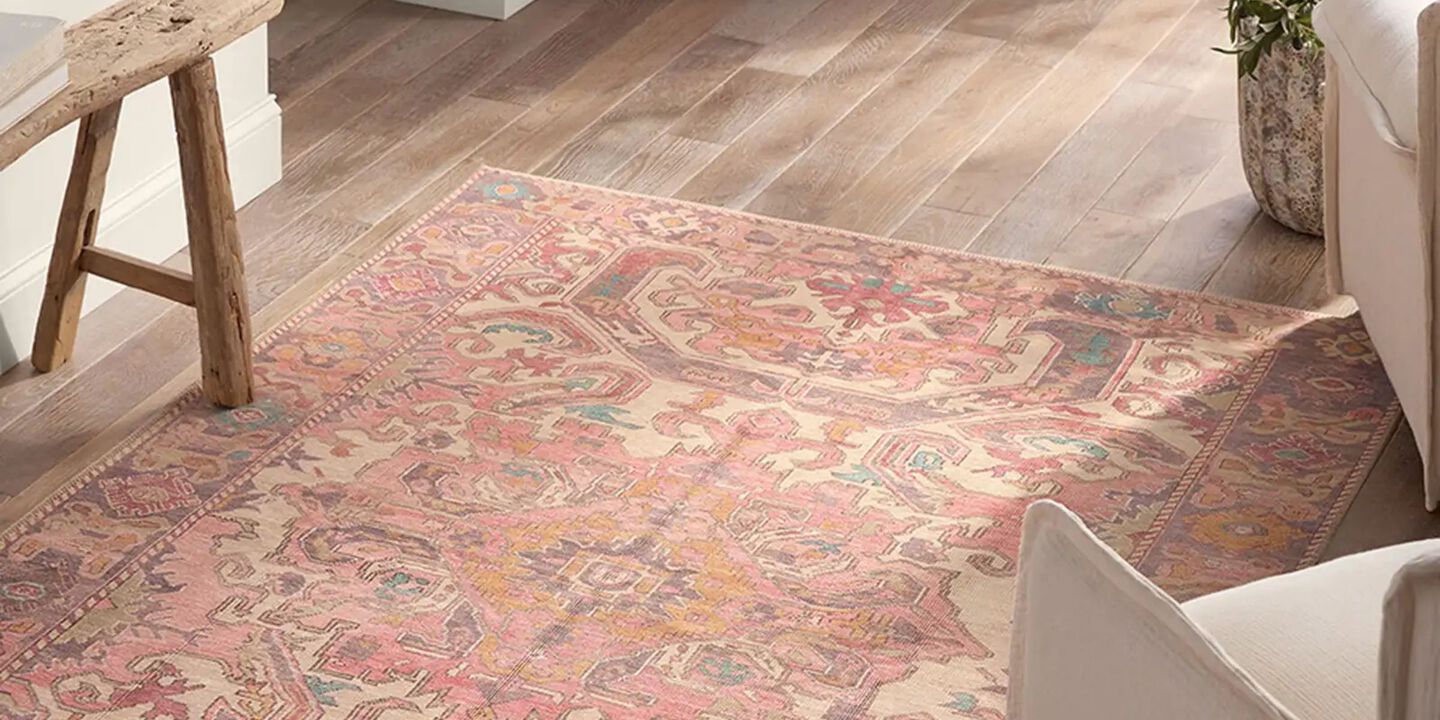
(563, 452)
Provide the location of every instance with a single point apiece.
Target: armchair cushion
(1312, 637)
(1376, 44)
(1094, 639)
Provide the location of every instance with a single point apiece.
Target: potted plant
(1282, 85)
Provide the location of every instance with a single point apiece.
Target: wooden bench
(128, 46)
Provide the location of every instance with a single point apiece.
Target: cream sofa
(1381, 150)
(1353, 639)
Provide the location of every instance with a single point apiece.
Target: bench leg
(79, 216)
(220, 301)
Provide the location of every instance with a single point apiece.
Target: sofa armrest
(1094, 640)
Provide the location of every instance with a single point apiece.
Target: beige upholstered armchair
(1382, 146)
(1353, 639)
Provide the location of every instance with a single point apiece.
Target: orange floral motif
(1247, 532)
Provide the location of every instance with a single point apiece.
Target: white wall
(143, 213)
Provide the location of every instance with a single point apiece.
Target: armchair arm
(1428, 166)
(1095, 640)
(1410, 643)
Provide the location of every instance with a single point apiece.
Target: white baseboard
(498, 9)
(147, 222)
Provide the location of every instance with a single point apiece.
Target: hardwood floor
(1093, 134)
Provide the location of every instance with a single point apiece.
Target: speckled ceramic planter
(1280, 137)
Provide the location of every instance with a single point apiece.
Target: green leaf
(1257, 25)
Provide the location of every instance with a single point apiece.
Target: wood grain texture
(363, 84)
(315, 63)
(143, 275)
(128, 46)
(460, 72)
(736, 105)
(1269, 264)
(537, 74)
(941, 228)
(405, 142)
(543, 129)
(762, 21)
(370, 195)
(750, 163)
(221, 306)
(1205, 229)
(306, 20)
(79, 220)
(1065, 188)
(1001, 19)
(1044, 32)
(1168, 169)
(1074, 90)
(602, 148)
(1105, 242)
(664, 166)
(891, 191)
(858, 142)
(814, 41)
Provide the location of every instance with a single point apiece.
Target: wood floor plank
(941, 228)
(1000, 19)
(762, 21)
(664, 166)
(1168, 169)
(1186, 57)
(890, 192)
(1034, 223)
(565, 52)
(1105, 242)
(736, 105)
(371, 78)
(806, 189)
(749, 164)
(1215, 99)
(1314, 294)
(1269, 264)
(303, 21)
(539, 132)
(921, 16)
(821, 35)
(101, 330)
(316, 62)
(312, 177)
(336, 169)
(460, 72)
(441, 143)
(1078, 86)
(274, 264)
(603, 147)
(1204, 230)
(1042, 33)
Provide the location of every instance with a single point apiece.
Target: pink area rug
(563, 452)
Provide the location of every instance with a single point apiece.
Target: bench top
(128, 46)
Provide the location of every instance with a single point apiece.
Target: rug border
(104, 449)
(110, 448)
